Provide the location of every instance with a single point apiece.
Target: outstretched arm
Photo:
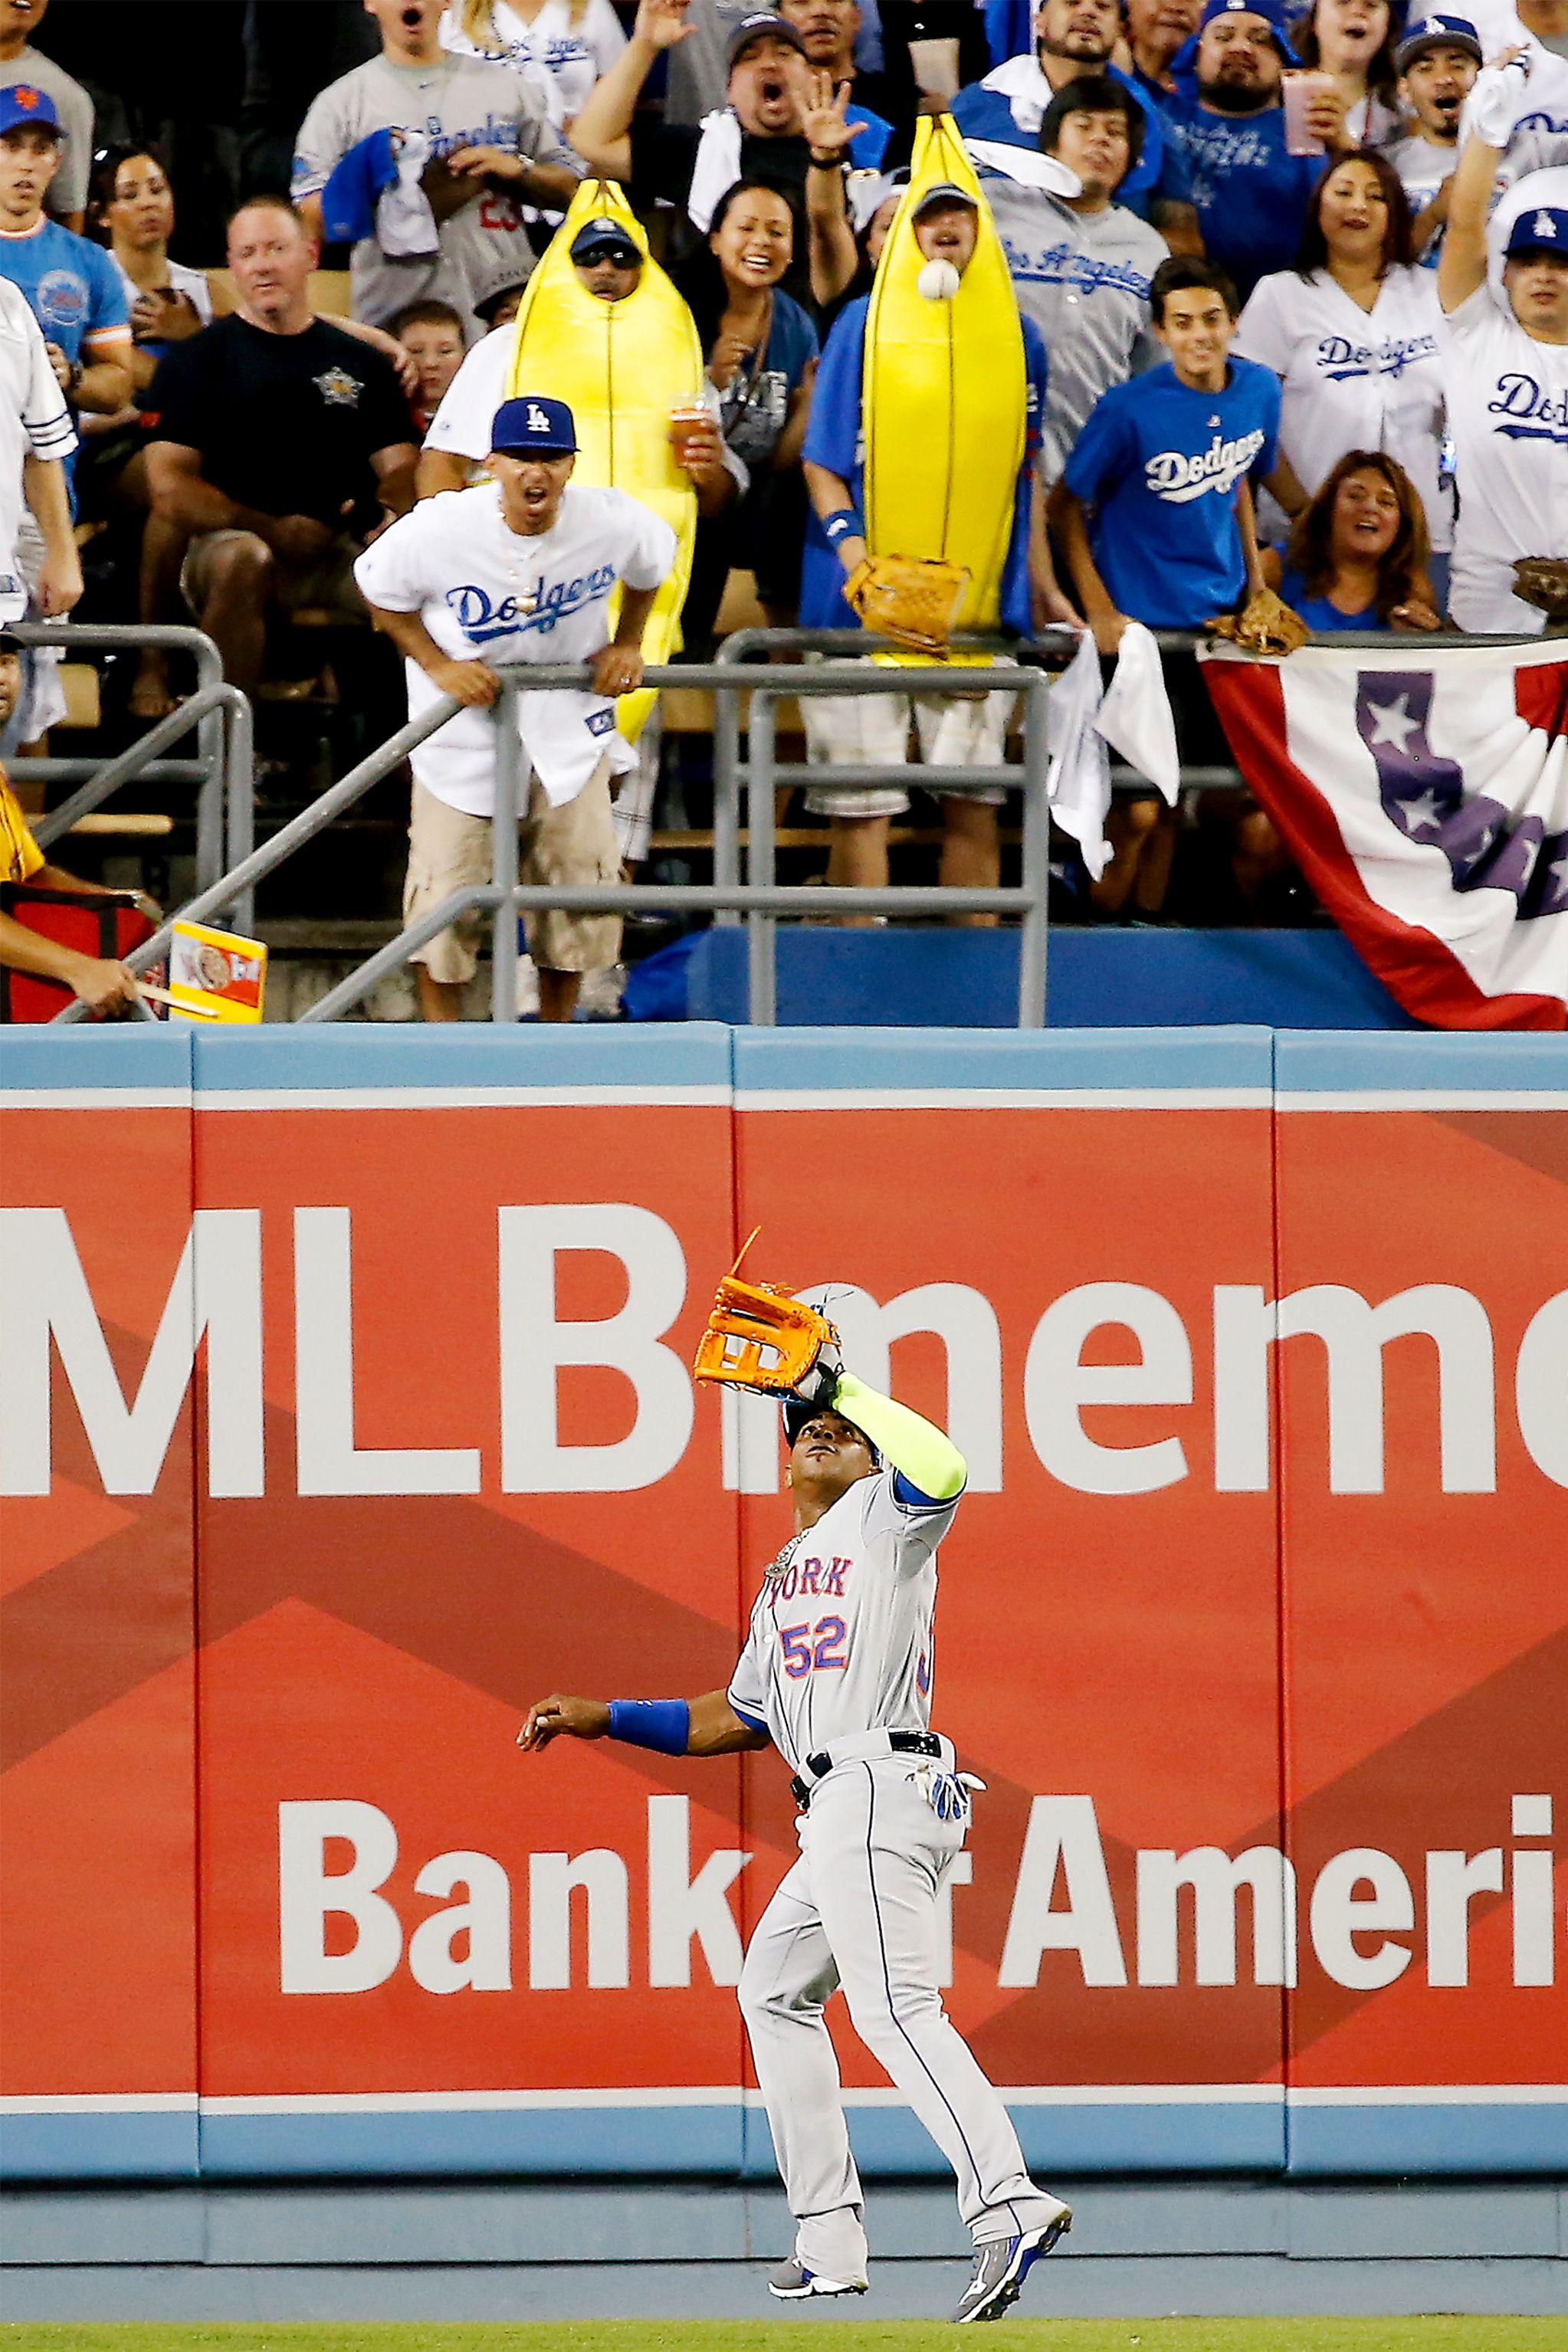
(708, 1725)
(929, 1465)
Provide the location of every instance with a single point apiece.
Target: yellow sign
(214, 975)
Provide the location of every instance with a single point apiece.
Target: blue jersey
(73, 290)
(1251, 197)
(1324, 620)
(836, 439)
(1160, 463)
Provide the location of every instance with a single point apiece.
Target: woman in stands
(1352, 334)
(1357, 557)
(560, 47)
(1354, 41)
(762, 353)
(130, 209)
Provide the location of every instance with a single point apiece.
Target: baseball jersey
(68, 189)
(569, 47)
(33, 416)
(1160, 463)
(1352, 379)
(1251, 197)
(840, 1639)
(1423, 166)
(486, 593)
(1507, 412)
(1083, 279)
(835, 438)
(460, 102)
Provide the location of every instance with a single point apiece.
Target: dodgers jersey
(1160, 463)
(487, 592)
(1508, 409)
(1352, 379)
(840, 1640)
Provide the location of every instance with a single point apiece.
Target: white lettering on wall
(308, 1894)
(536, 1345)
(1058, 1385)
(1063, 1836)
(1216, 1880)
(1541, 1389)
(329, 1463)
(484, 1920)
(551, 1877)
(217, 1291)
(681, 1907)
(1339, 1915)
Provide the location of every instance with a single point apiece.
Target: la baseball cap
(762, 26)
(1544, 230)
(1438, 33)
(533, 425)
(605, 240)
(1272, 16)
(24, 104)
(945, 191)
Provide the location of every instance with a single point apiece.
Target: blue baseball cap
(1272, 15)
(533, 426)
(24, 104)
(605, 240)
(1438, 33)
(1542, 230)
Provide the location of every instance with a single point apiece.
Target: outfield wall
(1254, 1619)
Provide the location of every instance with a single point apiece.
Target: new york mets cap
(1272, 15)
(1544, 230)
(1438, 33)
(762, 25)
(533, 425)
(23, 105)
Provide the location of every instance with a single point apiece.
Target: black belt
(899, 1743)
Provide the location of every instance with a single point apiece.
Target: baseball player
(837, 1672)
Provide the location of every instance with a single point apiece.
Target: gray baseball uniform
(1083, 277)
(839, 1656)
(462, 102)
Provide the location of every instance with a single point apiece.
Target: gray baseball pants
(858, 1910)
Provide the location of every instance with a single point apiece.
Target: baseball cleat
(792, 2281)
(1002, 2266)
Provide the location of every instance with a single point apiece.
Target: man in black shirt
(278, 445)
(784, 124)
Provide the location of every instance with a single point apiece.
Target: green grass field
(775, 2335)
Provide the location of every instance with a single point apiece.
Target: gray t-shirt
(72, 104)
(1083, 277)
(460, 102)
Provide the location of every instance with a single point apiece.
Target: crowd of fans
(1265, 337)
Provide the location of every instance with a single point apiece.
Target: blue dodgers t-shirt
(72, 287)
(1251, 197)
(1159, 463)
(833, 439)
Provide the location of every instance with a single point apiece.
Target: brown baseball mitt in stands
(760, 1336)
(1264, 626)
(913, 599)
(1543, 580)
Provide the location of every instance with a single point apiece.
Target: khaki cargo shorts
(449, 850)
(872, 730)
(326, 583)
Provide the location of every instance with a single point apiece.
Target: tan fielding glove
(913, 599)
(1264, 626)
(1543, 580)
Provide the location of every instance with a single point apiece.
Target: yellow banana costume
(945, 399)
(622, 367)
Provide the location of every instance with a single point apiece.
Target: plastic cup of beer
(687, 423)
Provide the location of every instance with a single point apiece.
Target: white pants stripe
(858, 1910)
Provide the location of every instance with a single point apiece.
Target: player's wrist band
(843, 524)
(661, 1723)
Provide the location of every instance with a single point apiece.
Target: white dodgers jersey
(841, 1638)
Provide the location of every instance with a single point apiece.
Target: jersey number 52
(817, 1648)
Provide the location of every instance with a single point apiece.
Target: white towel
(1135, 717)
(1078, 783)
(717, 167)
(1024, 165)
(1023, 84)
(404, 223)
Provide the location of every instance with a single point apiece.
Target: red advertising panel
(99, 1452)
(1422, 1380)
